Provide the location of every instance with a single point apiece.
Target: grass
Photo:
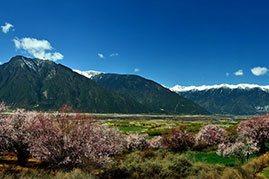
(264, 174)
(125, 129)
(155, 127)
(213, 158)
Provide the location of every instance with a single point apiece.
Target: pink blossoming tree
(15, 134)
(68, 141)
(211, 135)
(178, 140)
(256, 129)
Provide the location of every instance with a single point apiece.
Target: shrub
(136, 142)
(178, 140)
(256, 129)
(211, 134)
(249, 170)
(160, 164)
(136, 165)
(155, 143)
(3, 107)
(200, 146)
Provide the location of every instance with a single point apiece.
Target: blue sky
(172, 42)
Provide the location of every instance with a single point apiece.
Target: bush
(136, 142)
(136, 165)
(3, 107)
(211, 135)
(178, 141)
(160, 164)
(200, 146)
(249, 170)
(155, 143)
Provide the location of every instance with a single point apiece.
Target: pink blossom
(155, 143)
(211, 134)
(256, 129)
(136, 141)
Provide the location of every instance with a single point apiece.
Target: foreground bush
(45, 174)
(160, 164)
(211, 135)
(249, 170)
(256, 129)
(178, 141)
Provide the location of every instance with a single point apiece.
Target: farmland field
(155, 125)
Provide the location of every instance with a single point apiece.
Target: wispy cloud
(136, 70)
(114, 54)
(239, 73)
(258, 71)
(100, 55)
(227, 74)
(6, 27)
(38, 48)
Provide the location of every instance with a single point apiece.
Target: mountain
(43, 84)
(242, 99)
(88, 74)
(154, 96)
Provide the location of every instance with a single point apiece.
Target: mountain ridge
(149, 93)
(241, 99)
(26, 82)
(38, 84)
(245, 86)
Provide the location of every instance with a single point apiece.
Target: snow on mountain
(179, 88)
(88, 74)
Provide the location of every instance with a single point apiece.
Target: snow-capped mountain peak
(179, 88)
(89, 74)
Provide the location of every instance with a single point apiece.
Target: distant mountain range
(242, 99)
(45, 85)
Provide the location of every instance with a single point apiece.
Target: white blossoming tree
(238, 149)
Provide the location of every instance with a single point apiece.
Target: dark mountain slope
(149, 93)
(43, 84)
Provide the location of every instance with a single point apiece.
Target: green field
(160, 126)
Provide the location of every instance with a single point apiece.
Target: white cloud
(258, 71)
(227, 74)
(101, 56)
(6, 27)
(114, 54)
(37, 48)
(136, 70)
(239, 73)
(0, 63)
